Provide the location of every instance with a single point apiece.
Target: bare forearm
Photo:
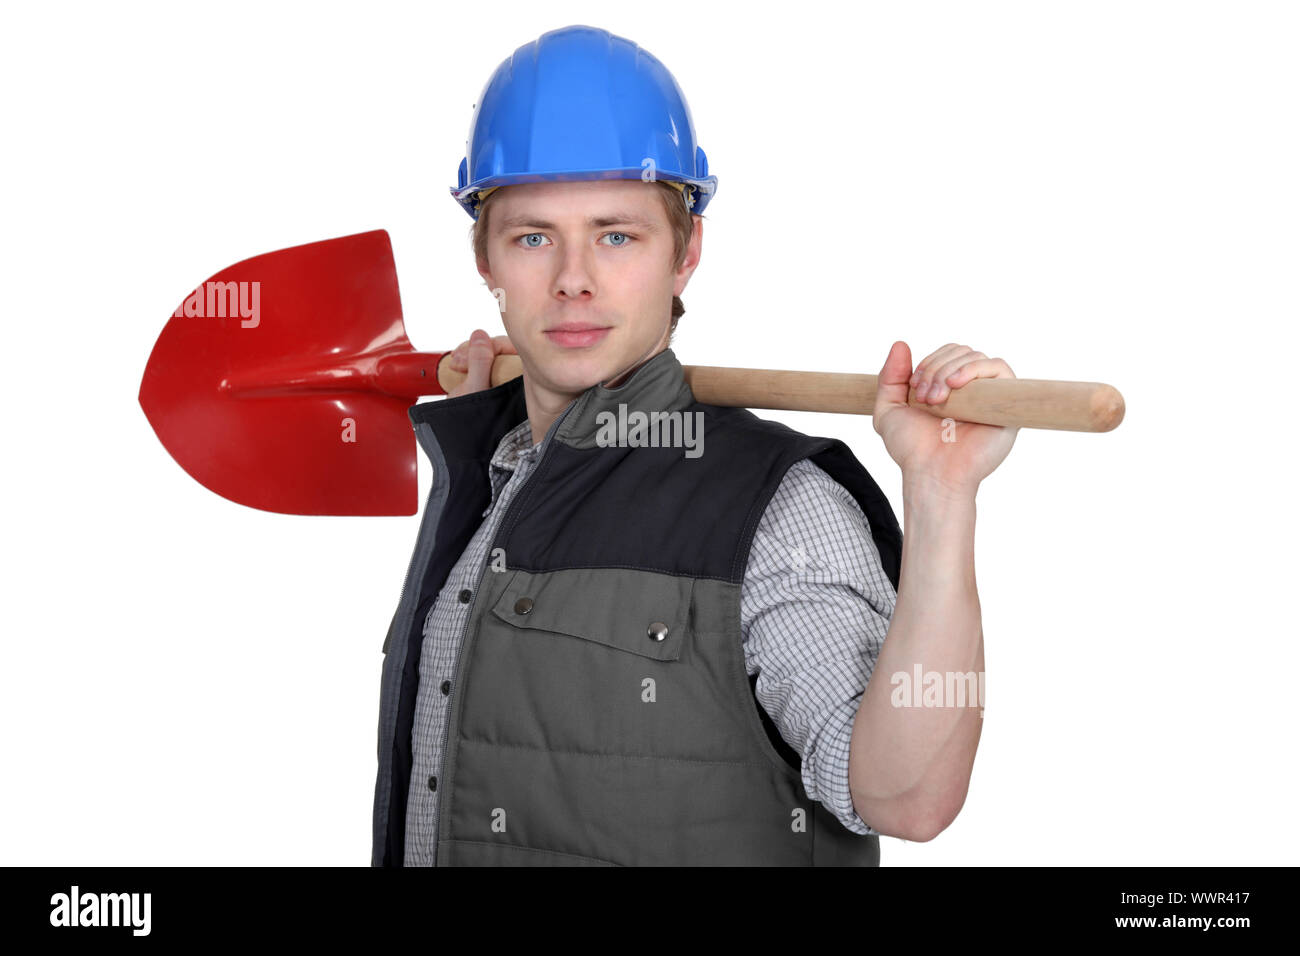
(910, 766)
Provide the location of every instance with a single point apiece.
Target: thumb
(481, 356)
(892, 382)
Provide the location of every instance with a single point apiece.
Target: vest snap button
(657, 631)
(523, 605)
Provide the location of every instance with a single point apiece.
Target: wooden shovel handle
(1020, 402)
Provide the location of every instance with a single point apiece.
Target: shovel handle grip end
(411, 374)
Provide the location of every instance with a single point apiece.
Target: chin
(575, 370)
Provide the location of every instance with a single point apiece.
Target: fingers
(936, 380)
(456, 360)
(459, 358)
(480, 355)
(927, 365)
(951, 367)
(961, 373)
(925, 375)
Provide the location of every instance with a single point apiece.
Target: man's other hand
(474, 357)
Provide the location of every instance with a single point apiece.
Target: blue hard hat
(579, 103)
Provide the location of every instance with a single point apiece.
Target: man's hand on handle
(953, 458)
(474, 357)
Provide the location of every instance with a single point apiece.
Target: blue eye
(529, 236)
(618, 244)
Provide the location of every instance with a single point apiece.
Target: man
(565, 677)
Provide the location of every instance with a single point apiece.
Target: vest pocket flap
(641, 612)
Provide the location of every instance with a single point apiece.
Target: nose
(574, 280)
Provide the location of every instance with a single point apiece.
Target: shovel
(283, 383)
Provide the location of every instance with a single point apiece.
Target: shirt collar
(517, 445)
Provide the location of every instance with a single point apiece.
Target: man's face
(585, 269)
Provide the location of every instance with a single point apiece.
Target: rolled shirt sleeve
(815, 607)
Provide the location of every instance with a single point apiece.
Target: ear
(692, 257)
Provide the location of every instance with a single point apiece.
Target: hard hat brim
(467, 196)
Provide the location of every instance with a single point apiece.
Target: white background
(1092, 191)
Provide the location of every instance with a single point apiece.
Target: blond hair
(680, 221)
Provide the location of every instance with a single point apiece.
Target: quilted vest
(601, 713)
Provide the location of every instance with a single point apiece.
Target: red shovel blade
(262, 384)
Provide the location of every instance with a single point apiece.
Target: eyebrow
(594, 222)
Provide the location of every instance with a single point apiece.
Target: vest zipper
(463, 655)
